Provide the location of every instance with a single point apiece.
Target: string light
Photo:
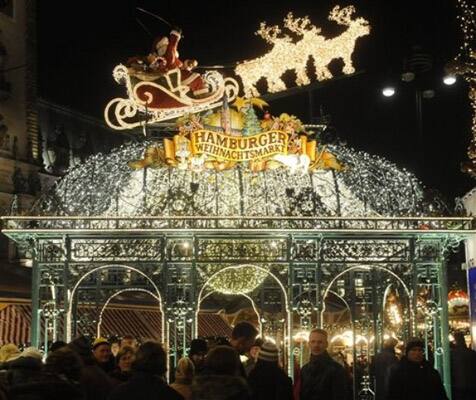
(288, 55)
(106, 186)
(238, 280)
(464, 65)
(394, 316)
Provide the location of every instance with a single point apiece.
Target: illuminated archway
(102, 267)
(364, 268)
(288, 331)
(253, 305)
(98, 330)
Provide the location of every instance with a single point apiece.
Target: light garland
(394, 316)
(465, 65)
(238, 280)
(288, 55)
(105, 186)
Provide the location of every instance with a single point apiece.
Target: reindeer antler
(298, 25)
(268, 33)
(342, 16)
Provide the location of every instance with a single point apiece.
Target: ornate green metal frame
(90, 259)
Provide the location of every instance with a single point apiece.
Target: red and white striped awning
(144, 323)
(15, 321)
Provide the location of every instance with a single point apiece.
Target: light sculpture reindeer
(288, 55)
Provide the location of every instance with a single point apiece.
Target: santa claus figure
(165, 58)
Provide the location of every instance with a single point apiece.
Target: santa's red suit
(170, 60)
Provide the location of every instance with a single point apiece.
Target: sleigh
(155, 97)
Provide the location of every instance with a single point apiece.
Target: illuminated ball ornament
(238, 280)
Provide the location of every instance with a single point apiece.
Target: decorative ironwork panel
(258, 250)
(304, 279)
(305, 250)
(180, 249)
(179, 281)
(272, 299)
(117, 249)
(51, 274)
(50, 251)
(428, 250)
(114, 276)
(360, 250)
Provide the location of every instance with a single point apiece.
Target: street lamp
(449, 79)
(414, 68)
(388, 91)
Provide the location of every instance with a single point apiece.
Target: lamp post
(416, 74)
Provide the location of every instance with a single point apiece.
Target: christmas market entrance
(389, 273)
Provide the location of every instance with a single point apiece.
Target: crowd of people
(120, 370)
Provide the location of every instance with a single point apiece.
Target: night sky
(79, 43)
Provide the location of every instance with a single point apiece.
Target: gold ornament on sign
(204, 143)
(287, 54)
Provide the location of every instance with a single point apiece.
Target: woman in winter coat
(413, 378)
(147, 380)
(267, 380)
(221, 378)
(183, 378)
(123, 371)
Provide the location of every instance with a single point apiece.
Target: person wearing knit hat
(416, 346)
(267, 380)
(269, 352)
(99, 341)
(102, 353)
(414, 377)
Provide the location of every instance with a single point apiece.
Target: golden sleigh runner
(155, 97)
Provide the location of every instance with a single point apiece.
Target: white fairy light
(288, 55)
(106, 186)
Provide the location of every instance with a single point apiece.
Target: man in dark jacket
(94, 382)
(413, 378)
(322, 377)
(381, 365)
(147, 380)
(58, 381)
(463, 370)
(242, 339)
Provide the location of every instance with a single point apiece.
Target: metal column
(445, 371)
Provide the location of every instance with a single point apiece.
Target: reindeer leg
(322, 72)
(302, 78)
(348, 68)
(276, 85)
(254, 91)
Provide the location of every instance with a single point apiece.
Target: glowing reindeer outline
(288, 55)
